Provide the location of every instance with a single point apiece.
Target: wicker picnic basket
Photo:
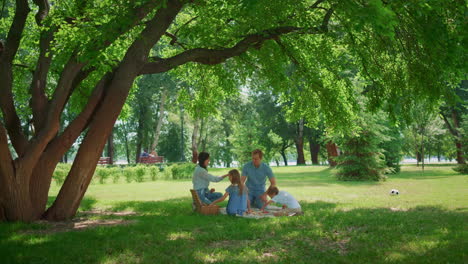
(203, 208)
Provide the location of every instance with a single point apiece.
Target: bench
(104, 160)
(151, 160)
(201, 207)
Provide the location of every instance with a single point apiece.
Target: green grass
(344, 222)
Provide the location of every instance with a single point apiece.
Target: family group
(246, 190)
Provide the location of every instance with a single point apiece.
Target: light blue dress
(237, 203)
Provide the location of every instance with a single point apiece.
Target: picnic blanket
(256, 213)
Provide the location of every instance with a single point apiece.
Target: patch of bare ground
(82, 222)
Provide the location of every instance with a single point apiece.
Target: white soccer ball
(394, 192)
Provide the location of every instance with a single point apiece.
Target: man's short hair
(258, 152)
(272, 190)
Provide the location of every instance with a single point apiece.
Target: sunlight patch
(180, 235)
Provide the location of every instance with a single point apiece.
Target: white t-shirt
(284, 197)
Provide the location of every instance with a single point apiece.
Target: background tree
(362, 159)
(426, 125)
(453, 111)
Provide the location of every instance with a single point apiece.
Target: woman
(201, 180)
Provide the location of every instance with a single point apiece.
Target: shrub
(115, 173)
(140, 172)
(154, 172)
(60, 173)
(167, 172)
(182, 170)
(129, 172)
(461, 168)
(102, 173)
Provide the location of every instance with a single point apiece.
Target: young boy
(290, 205)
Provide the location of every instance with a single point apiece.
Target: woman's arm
(212, 178)
(222, 198)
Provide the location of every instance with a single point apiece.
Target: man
(144, 153)
(256, 173)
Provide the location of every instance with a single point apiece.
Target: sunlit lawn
(344, 222)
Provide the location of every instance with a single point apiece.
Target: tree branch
(23, 66)
(6, 166)
(44, 8)
(38, 101)
(6, 161)
(449, 126)
(10, 48)
(174, 40)
(216, 56)
(16, 31)
(326, 20)
(59, 145)
(318, 2)
(186, 23)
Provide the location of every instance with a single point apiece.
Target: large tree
(90, 52)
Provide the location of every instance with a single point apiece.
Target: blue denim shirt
(256, 177)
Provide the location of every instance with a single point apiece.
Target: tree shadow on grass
(86, 204)
(169, 232)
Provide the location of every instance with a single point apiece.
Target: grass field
(344, 222)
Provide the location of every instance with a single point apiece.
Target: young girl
(238, 195)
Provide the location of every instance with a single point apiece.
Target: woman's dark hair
(202, 156)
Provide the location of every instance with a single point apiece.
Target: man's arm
(271, 176)
(272, 181)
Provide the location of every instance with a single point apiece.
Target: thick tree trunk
(332, 151)
(454, 130)
(160, 120)
(418, 158)
(460, 157)
(201, 129)
(42, 175)
(110, 148)
(127, 147)
(182, 138)
(15, 203)
(314, 152)
(283, 154)
(422, 151)
(299, 142)
(139, 138)
(227, 133)
(196, 127)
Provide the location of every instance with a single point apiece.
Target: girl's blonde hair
(236, 179)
